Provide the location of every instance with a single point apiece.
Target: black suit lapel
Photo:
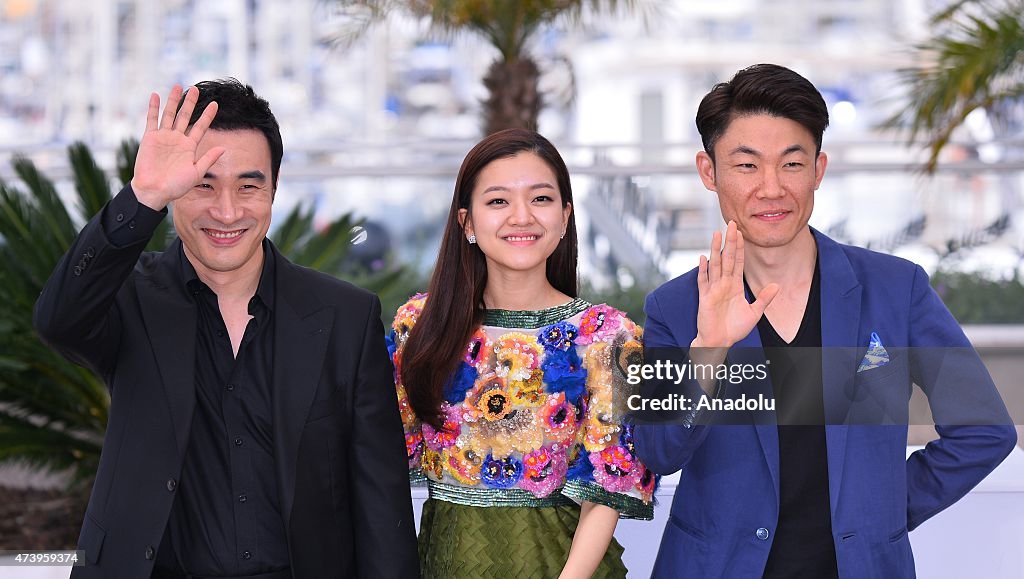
(170, 319)
(302, 332)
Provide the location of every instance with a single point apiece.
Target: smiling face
(765, 173)
(516, 214)
(222, 221)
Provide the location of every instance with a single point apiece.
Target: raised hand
(723, 315)
(168, 165)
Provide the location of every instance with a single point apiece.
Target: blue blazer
(726, 506)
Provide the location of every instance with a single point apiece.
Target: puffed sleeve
(603, 466)
(405, 318)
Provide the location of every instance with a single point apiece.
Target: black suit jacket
(338, 443)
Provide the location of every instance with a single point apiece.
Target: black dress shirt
(226, 519)
(803, 544)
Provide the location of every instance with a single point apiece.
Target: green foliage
(628, 299)
(976, 300)
(53, 413)
(975, 61)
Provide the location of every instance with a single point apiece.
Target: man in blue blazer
(817, 484)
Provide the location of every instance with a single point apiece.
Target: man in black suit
(253, 426)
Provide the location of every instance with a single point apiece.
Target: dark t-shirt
(803, 544)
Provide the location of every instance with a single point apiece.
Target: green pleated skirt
(460, 541)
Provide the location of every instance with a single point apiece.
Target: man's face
(765, 173)
(222, 221)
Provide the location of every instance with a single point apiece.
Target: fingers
(167, 121)
(729, 254)
(764, 298)
(715, 261)
(702, 277)
(203, 122)
(154, 112)
(187, 106)
(206, 161)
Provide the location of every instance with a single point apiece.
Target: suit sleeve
(381, 502)
(666, 443)
(975, 431)
(75, 313)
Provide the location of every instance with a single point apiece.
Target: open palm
(166, 167)
(724, 316)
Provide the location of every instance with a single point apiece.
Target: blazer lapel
(170, 319)
(302, 329)
(840, 320)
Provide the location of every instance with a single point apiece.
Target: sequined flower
(494, 404)
(559, 419)
(433, 467)
(528, 392)
(517, 355)
(599, 323)
(543, 471)
(629, 354)
(615, 469)
(460, 382)
(478, 349)
(501, 473)
(600, 429)
(463, 464)
(580, 468)
(414, 447)
(516, 432)
(406, 317)
(405, 408)
(449, 433)
(647, 484)
(559, 336)
(564, 372)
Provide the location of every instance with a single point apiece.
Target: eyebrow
(745, 150)
(532, 187)
(256, 175)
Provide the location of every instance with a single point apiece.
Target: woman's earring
(472, 239)
(563, 235)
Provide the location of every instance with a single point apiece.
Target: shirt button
(246, 555)
(150, 553)
(78, 270)
(230, 387)
(238, 441)
(242, 498)
(762, 533)
(120, 217)
(171, 484)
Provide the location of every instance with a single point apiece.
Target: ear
(566, 212)
(706, 170)
(465, 222)
(819, 169)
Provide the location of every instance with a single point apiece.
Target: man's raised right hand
(166, 167)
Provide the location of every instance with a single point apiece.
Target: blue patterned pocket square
(876, 356)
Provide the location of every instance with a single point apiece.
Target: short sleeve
(405, 318)
(604, 468)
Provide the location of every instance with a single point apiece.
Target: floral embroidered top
(533, 413)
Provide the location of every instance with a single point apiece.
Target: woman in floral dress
(511, 388)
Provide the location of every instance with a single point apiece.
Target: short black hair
(767, 89)
(240, 108)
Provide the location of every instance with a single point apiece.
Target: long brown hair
(455, 306)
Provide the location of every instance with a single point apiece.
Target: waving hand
(167, 166)
(723, 315)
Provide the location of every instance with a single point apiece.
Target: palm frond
(978, 63)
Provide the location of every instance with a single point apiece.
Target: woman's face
(516, 213)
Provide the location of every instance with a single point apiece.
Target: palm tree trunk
(513, 99)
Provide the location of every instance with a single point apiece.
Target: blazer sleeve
(381, 501)
(75, 313)
(975, 431)
(666, 442)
